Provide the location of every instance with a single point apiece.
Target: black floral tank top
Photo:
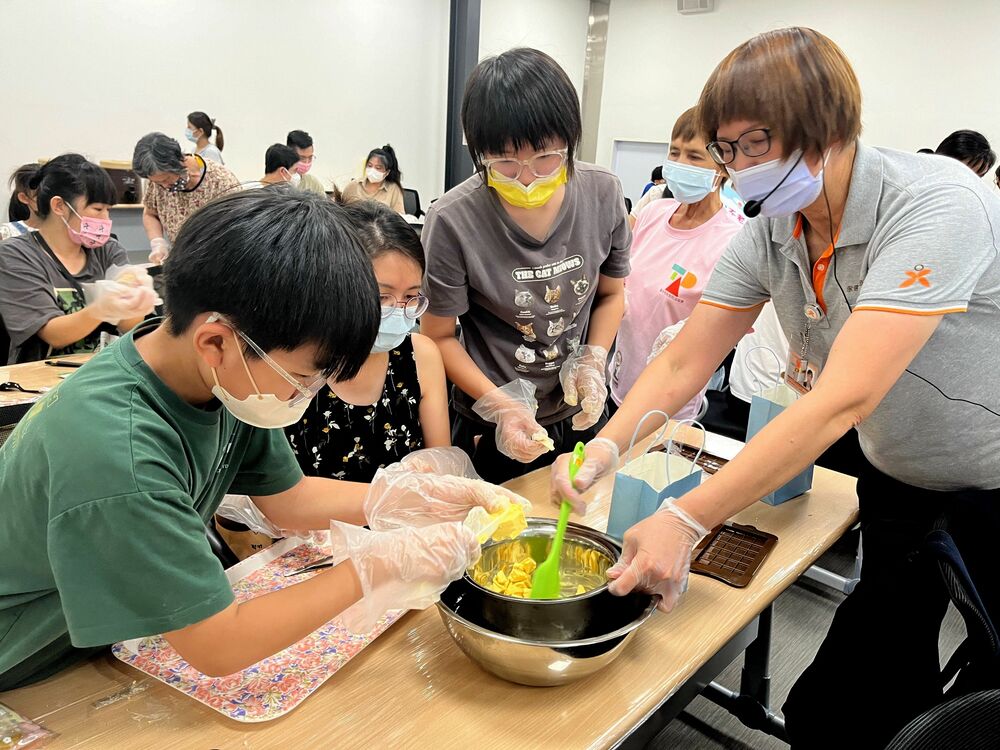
(338, 440)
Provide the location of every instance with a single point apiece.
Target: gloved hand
(405, 494)
(584, 381)
(405, 568)
(602, 459)
(512, 409)
(126, 293)
(241, 509)
(663, 339)
(656, 556)
(159, 249)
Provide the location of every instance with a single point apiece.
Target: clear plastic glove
(159, 249)
(405, 568)
(664, 338)
(656, 556)
(241, 509)
(584, 381)
(126, 293)
(406, 494)
(602, 459)
(512, 409)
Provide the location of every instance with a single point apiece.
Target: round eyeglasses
(413, 307)
(756, 142)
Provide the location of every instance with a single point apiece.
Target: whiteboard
(632, 161)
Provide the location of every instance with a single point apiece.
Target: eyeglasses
(413, 307)
(304, 391)
(540, 165)
(755, 142)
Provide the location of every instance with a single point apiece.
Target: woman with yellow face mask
(529, 255)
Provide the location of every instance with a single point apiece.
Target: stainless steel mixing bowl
(544, 642)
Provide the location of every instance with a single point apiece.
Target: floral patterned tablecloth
(274, 686)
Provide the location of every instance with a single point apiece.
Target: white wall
(556, 27)
(926, 68)
(354, 74)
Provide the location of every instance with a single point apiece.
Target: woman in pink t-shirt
(676, 244)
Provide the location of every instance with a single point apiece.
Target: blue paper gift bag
(765, 406)
(643, 483)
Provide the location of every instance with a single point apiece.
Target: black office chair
(411, 202)
(969, 722)
(628, 205)
(10, 415)
(969, 717)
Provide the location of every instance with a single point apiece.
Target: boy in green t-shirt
(106, 485)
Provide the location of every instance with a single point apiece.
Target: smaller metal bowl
(544, 641)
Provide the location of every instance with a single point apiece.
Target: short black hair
(285, 267)
(278, 156)
(656, 174)
(970, 147)
(382, 230)
(18, 183)
(299, 139)
(70, 176)
(516, 99)
(925, 151)
(388, 156)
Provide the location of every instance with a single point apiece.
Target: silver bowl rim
(593, 641)
(541, 522)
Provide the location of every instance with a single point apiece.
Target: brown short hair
(796, 81)
(687, 127)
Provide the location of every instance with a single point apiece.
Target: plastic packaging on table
(16, 732)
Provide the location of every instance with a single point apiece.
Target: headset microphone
(752, 208)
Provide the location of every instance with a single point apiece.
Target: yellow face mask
(535, 195)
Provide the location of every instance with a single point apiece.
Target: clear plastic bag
(17, 732)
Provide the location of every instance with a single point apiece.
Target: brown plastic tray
(732, 553)
(708, 462)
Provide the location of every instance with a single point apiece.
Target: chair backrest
(979, 654)
(411, 202)
(967, 722)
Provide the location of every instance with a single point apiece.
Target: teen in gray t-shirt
(528, 255)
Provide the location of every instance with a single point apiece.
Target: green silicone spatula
(545, 584)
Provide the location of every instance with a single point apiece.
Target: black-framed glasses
(413, 307)
(756, 142)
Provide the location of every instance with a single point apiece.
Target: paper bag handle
(635, 434)
(670, 441)
(746, 363)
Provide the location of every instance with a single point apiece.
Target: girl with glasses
(528, 255)
(398, 401)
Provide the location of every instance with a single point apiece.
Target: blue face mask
(391, 331)
(189, 134)
(689, 184)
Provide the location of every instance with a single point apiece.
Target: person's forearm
(461, 370)
(152, 225)
(313, 503)
(666, 385)
(778, 453)
(68, 329)
(605, 319)
(243, 634)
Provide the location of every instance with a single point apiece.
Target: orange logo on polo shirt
(918, 275)
(680, 277)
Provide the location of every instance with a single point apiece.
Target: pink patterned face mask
(92, 233)
(303, 166)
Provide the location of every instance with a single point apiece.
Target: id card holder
(801, 372)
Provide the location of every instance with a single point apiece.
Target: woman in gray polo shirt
(883, 270)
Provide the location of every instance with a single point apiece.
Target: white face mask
(392, 330)
(785, 186)
(687, 183)
(264, 410)
(295, 179)
(374, 175)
